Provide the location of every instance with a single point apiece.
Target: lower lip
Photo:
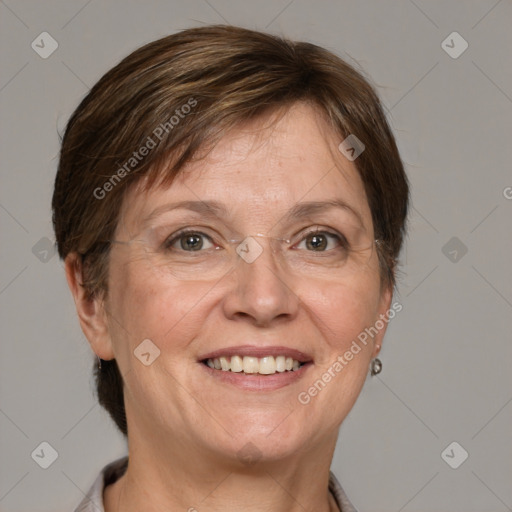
(257, 382)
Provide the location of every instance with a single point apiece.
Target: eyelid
(174, 237)
(319, 230)
(292, 241)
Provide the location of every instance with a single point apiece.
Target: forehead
(262, 168)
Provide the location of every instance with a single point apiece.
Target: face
(299, 296)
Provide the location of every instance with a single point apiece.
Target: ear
(383, 317)
(91, 312)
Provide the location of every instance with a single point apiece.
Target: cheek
(148, 305)
(341, 314)
(342, 311)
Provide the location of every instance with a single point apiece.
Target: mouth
(275, 366)
(250, 365)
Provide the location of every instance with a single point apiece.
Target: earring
(99, 362)
(375, 367)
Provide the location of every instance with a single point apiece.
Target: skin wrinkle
(180, 421)
(213, 209)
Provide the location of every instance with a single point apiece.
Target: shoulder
(341, 498)
(93, 500)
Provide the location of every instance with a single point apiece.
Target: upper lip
(258, 351)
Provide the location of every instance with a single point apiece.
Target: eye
(189, 241)
(320, 241)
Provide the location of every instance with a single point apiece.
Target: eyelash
(175, 237)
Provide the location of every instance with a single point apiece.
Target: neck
(186, 478)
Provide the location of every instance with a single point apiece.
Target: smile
(267, 365)
(256, 367)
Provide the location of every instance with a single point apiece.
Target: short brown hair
(187, 90)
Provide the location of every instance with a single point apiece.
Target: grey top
(93, 501)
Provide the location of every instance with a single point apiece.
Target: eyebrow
(207, 209)
(306, 209)
(214, 209)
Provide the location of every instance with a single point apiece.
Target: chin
(264, 436)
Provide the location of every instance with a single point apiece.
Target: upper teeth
(264, 365)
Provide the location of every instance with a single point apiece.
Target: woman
(230, 207)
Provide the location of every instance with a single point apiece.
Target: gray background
(447, 354)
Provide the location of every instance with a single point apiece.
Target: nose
(261, 291)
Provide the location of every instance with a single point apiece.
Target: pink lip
(257, 382)
(258, 351)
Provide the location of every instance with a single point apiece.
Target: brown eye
(316, 242)
(321, 241)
